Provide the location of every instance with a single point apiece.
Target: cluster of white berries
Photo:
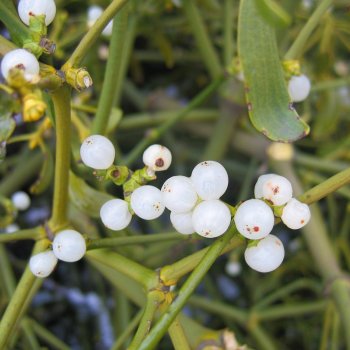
(195, 205)
(28, 8)
(299, 87)
(68, 246)
(254, 220)
(94, 12)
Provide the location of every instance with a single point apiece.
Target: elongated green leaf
(86, 198)
(269, 105)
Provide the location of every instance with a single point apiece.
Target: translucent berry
(299, 88)
(97, 152)
(295, 214)
(210, 179)
(69, 246)
(21, 59)
(43, 264)
(21, 200)
(12, 228)
(258, 189)
(266, 256)
(94, 12)
(115, 214)
(254, 219)
(277, 189)
(179, 194)
(147, 203)
(28, 8)
(211, 218)
(157, 157)
(182, 222)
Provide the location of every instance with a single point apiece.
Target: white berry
(233, 268)
(295, 214)
(254, 219)
(43, 264)
(182, 222)
(157, 157)
(210, 180)
(147, 203)
(69, 246)
(266, 256)
(21, 59)
(115, 214)
(94, 12)
(258, 189)
(277, 189)
(299, 88)
(179, 194)
(211, 218)
(97, 152)
(28, 8)
(21, 200)
(11, 228)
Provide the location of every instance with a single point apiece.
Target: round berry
(69, 246)
(11, 228)
(254, 219)
(182, 222)
(210, 180)
(157, 157)
(211, 218)
(43, 264)
(266, 256)
(93, 14)
(21, 200)
(28, 8)
(299, 88)
(295, 214)
(258, 189)
(115, 214)
(233, 268)
(179, 194)
(97, 152)
(21, 59)
(277, 189)
(146, 202)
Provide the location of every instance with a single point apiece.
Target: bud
(33, 108)
(79, 78)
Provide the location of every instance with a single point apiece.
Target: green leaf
(86, 198)
(274, 13)
(269, 106)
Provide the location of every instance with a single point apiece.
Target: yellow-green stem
(61, 101)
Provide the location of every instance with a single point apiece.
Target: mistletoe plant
(251, 100)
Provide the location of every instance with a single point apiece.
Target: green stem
(228, 31)
(128, 267)
(331, 84)
(205, 46)
(120, 241)
(152, 304)
(26, 168)
(93, 34)
(325, 188)
(296, 49)
(287, 290)
(112, 73)
(182, 267)
(178, 336)
(160, 328)
(61, 101)
(127, 332)
(291, 310)
(48, 337)
(32, 233)
(19, 301)
(156, 133)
